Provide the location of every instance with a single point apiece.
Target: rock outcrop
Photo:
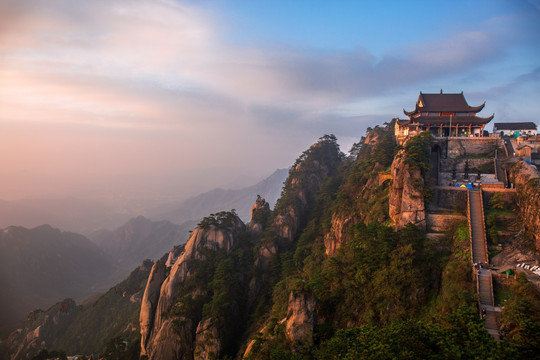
(260, 212)
(301, 187)
(338, 234)
(406, 200)
(150, 300)
(207, 344)
(84, 329)
(358, 192)
(301, 319)
(527, 182)
(27, 342)
(171, 335)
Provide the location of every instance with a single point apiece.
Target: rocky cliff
(361, 194)
(184, 318)
(83, 328)
(315, 165)
(40, 329)
(301, 188)
(322, 276)
(406, 202)
(411, 164)
(301, 319)
(166, 330)
(260, 213)
(526, 179)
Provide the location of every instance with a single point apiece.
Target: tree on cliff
(417, 151)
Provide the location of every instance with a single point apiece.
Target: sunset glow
(167, 98)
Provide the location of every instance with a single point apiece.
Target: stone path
(501, 173)
(509, 147)
(480, 256)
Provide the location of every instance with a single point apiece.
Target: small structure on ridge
(443, 115)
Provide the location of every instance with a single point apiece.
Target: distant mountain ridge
(86, 216)
(84, 328)
(70, 214)
(140, 239)
(42, 265)
(197, 207)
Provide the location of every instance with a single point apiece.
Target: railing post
(483, 225)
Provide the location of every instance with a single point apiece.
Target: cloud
(139, 52)
(155, 84)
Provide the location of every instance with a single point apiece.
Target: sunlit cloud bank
(100, 93)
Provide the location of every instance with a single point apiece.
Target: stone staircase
(501, 173)
(480, 256)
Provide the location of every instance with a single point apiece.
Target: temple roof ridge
(443, 102)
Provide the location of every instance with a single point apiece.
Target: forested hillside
(328, 274)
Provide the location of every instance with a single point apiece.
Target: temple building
(443, 115)
(515, 129)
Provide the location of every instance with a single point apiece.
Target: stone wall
(450, 198)
(486, 165)
(509, 196)
(441, 223)
(471, 146)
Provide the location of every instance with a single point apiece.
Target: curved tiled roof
(443, 103)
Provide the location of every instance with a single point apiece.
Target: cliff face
(315, 165)
(527, 182)
(39, 327)
(260, 212)
(207, 343)
(150, 300)
(406, 202)
(362, 190)
(167, 334)
(198, 310)
(84, 329)
(339, 232)
(301, 319)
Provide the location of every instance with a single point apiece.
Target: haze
(159, 100)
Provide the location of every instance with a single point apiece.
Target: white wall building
(511, 128)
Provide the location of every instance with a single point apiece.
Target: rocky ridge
(167, 331)
(165, 335)
(527, 181)
(83, 328)
(406, 202)
(358, 191)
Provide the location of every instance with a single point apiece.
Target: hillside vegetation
(328, 275)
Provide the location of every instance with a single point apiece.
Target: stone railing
(491, 285)
(474, 271)
(484, 226)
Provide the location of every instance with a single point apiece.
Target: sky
(162, 99)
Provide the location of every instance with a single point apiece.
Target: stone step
(485, 290)
(491, 321)
(485, 299)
